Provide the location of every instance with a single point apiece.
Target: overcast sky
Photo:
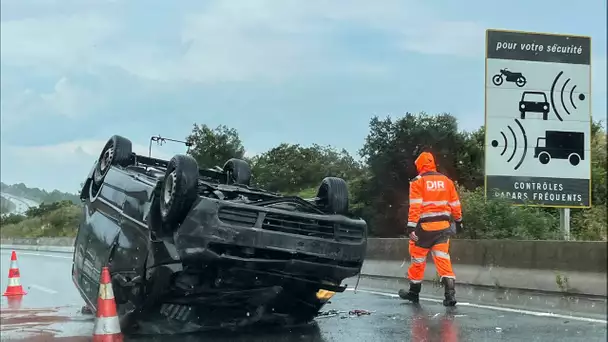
(74, 72)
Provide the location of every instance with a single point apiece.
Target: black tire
(497, 80)
(333, 195)
(238, 170)
(179, 189)
(521, 81)
(117, 151)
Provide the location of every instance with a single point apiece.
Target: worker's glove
(459, 227)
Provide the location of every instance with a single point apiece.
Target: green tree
(292, 168)
(470, 159)
(592, 223)
(213, 147)
(599, 164)
(390, 150)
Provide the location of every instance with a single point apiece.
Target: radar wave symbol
(513, 144)
(565, 93)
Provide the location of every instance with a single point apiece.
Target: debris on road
(329, 313)
(359, 313)
(345, 314)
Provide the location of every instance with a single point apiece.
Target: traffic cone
(107, 325)
(14, 287)
(14, 302)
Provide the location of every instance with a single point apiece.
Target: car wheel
(574, 159)
(333, 195)
(117, 151)
(238, 170)
(178, 189)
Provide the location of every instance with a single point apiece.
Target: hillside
(38, 195)
(6, 206)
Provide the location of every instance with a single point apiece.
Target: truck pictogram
(560, 145)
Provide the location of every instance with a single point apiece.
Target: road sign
(538, 118)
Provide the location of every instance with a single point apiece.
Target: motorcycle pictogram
(515, 77)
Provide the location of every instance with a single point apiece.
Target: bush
(11, 219)
(589, 224)
(60, 222)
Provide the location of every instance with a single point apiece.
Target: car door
(131, 251)
(80, 246)
(104, 218)
(82, 235)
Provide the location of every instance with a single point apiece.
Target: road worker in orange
(433, 204)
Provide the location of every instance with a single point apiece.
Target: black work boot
(413, 295)
(450, 292)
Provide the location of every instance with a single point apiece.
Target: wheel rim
(169, 187)
(106, 159)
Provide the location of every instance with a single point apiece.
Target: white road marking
(43, 289)
(44, 255)
(496, 308)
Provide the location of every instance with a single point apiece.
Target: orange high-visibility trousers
(441, 258)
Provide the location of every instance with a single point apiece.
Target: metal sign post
(564, 222)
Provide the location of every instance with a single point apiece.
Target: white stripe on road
(44, 255)
(496, 308)
(43, 289)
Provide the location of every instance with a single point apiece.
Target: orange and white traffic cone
(14, 287)
(14, 302)
(107, 325)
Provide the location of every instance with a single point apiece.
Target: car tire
(238, 171)
(117, 151)
(179, 189)
(333, 195)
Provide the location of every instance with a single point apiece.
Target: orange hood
(425, 163)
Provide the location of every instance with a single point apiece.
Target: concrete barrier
(549, 266)
(57, 245)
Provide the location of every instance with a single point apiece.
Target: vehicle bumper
(204, 238)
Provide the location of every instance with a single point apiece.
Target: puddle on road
(48, 324)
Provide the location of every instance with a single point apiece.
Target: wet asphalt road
(50, 312)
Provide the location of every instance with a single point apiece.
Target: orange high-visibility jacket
(433, 197)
